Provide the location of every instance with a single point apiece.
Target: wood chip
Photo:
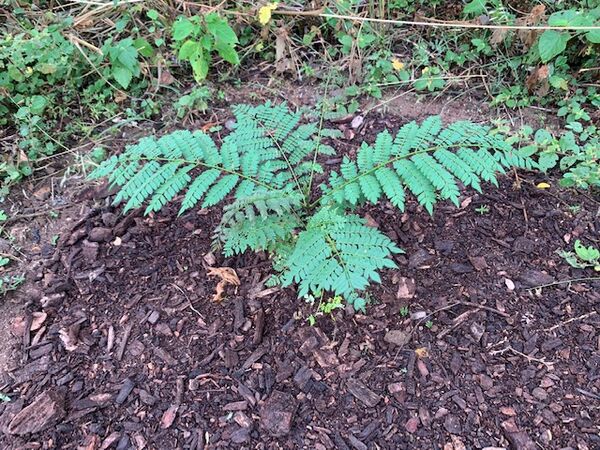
(359, 390)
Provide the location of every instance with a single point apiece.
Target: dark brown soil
(455, 352)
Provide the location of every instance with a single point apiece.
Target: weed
(583, 257)
(196, 38)
(404, 311)
(196, 100)
(10, 283)
(483, 209)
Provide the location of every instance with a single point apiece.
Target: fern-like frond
(268, 149)
(337, 253)
(258, 222)
(427, 160)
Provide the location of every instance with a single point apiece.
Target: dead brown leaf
(166, 78)
(283, 61)
(537, 81)
(227, 276)
(529, 37)
(120, 97)
(70, 337)
(498, 36)
(406, 288)
(18, 323)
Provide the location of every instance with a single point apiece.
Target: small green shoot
(429, 324)
(483, 209)
(10, 283)
(404, 311)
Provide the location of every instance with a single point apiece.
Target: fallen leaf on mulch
(422, 352)
(68, 336)
(18, 324)
(406, 288)
(91, 443)
(169, 417)
(227, 275)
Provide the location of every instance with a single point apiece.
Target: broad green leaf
(127, 55)
(220, 29)
(475, 8)
(588, 254)
(227, 52)
(200, 68)
(559, 82)
(552, 43)
(182, 28)
(143, 47)
(593, 36)
(569, 18)
(206, 42)
(122, 75)
(190, 50)
(38, 103)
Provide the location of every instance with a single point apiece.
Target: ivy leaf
(552, 43)
(122, 75)
(182, 28)
(227, 52)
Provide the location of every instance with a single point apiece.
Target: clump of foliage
(42, 75)
(583, 257)
(265, 168)
(196, 38)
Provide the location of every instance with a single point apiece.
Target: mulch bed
(124, 347)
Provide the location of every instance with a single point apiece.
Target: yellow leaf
(227, 276)
(397, 64)
(264, 13)
(422, 352)
(543, 186)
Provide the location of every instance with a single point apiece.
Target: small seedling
(10, 283)
(483, 209)
(325, 307)
(429, 324)
(583, 257)
(404, 311)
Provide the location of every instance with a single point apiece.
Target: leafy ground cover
(484, 335)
